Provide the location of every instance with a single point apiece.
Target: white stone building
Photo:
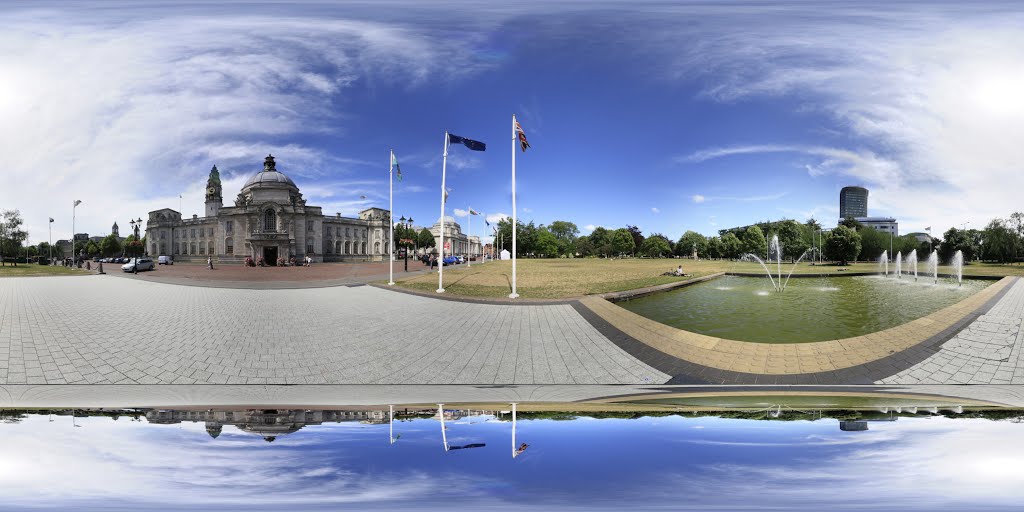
(269, 220)
(456, 242)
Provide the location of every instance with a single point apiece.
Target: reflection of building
(271, 220)
(266, 423)
(861, 424)
(456, 242)
(853, 202)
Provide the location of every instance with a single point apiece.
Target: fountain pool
(811, 309)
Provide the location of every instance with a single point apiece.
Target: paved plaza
(106, 330)
(986, 352)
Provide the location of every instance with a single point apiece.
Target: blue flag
(469, 143)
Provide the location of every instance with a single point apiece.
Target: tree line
(1002, 240)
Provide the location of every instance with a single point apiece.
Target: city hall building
(269, 220)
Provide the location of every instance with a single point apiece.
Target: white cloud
(460, 212)
(589, 228)
(927, 94)
(90, 101)
(527, 210)
(697, 198)
(655, 210)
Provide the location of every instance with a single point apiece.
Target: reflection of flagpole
(513, 413)
(391, 217)
(513, 295)
(440, 264)
(469, 242)
(444, 435)
(391, 424)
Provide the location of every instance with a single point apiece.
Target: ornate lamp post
(405, 223)
(137, 247)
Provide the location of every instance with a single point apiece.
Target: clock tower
(213, 193)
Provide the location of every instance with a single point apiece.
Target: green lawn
(31, 269)
(563, 278)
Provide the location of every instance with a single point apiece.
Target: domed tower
(113, 230)
(214, 200)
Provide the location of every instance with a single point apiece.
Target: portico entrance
(270, 255)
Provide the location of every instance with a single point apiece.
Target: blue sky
(666, 463)
(668, 115)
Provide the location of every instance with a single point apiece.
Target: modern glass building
(853, 202)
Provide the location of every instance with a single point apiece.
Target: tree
(92, 248)
(566, 233)
(873, 242)
(638, 237)
(584, 247)
(754, 242)
(11, 234)
(656, 247)
(426, 238)
(1000, 242)
(132, 246)
(622, 242)
(842, 244)
(731, 246)
(110, 245)
(545, 244)
(689, 240)
(851, 223)
(714, 247)
(791, 237)
(600, 238)
(957, 240)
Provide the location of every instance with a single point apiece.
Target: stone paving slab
(105, 330)
(986, 352)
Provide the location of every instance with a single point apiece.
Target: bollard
(101, 268)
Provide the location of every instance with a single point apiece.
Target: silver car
(142, 263)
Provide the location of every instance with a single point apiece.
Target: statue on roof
(269, 165)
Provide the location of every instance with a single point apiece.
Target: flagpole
(513, 295)
(440, 264)
(391, 217)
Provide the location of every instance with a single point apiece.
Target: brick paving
(105, 330)
(988, 351)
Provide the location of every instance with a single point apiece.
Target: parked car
(450, 260)
(164, 260)
(142, 263)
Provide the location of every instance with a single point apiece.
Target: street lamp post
(73, 255)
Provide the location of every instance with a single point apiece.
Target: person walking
(209, 262)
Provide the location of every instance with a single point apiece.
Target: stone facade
(457, 242)
(270, 220)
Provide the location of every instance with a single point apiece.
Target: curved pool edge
(709, 359)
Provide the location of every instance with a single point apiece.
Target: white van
(164, 260)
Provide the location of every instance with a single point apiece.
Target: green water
(811, 309)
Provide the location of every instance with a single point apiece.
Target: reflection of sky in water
(649, 463)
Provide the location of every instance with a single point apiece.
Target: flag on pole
(486, 221)
(469, 143)
(446, 190)
(78, 202)
(929, 228)
(473, 212)
(51, 219)
(398, 170)
(521, 135)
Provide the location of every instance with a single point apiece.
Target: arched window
(211, 250)
(269, 221)
(348, 247)
(364, 248)
(163, 248)
(338, 244)
(376, 248)
(229, 246)
(192, 249)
